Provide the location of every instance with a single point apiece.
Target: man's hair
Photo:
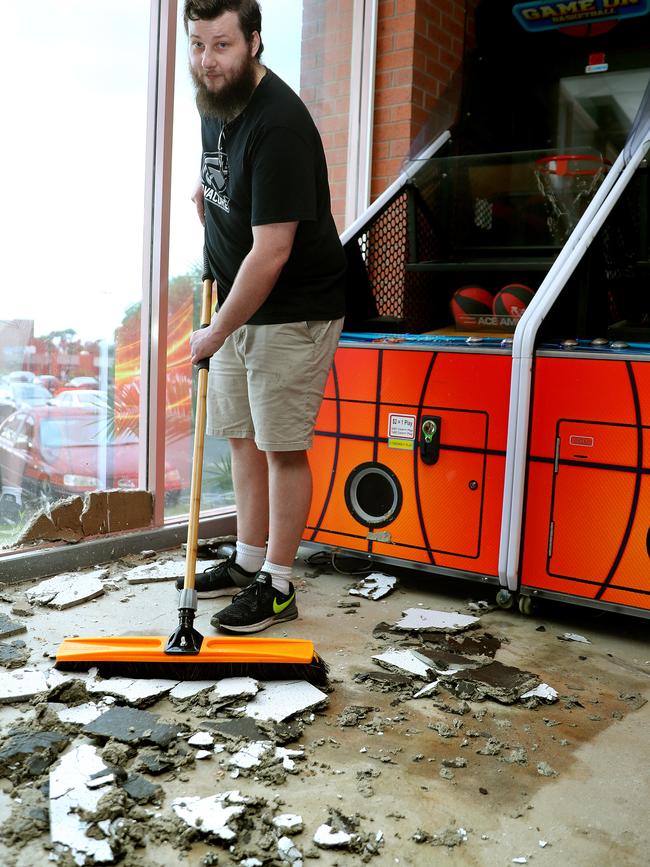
(248, 12)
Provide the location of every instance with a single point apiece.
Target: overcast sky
(74, 76)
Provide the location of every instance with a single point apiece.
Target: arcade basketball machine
(488, 411)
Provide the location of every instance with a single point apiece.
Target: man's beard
(233, 96)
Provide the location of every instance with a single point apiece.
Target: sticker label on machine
(401, 431)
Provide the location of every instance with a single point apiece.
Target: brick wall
(419, 47)
(325, 85)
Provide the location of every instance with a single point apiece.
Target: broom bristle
(315, 672)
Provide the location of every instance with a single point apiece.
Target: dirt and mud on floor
(451, 731)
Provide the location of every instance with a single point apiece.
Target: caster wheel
(526, 605)
(505, 599)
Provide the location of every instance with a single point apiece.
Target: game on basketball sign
(537, 15)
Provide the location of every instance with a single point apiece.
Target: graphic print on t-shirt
(214, 174)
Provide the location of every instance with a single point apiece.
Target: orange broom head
(218, 657)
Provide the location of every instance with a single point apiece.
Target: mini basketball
(512, 300)
(473, 300)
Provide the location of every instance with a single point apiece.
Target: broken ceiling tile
(189, 688)
(283, 698)
(288, 756)
(69, 797)
(251, 755)
(9, 627)
(201, 739)
(503, 683)
(138, 691)
(82, 714)
(289, 853)
(132, 726)
(168, 570)
(327, 838)
(68, 589)
(22, 684)
(374, 586)
(573, 636)
(229, 689)
(212, 815)
(429, 689)
(417, 619)
(288, 823)
(406, 660)
(543, 691)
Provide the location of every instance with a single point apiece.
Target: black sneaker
(224, 579)
(257, 607)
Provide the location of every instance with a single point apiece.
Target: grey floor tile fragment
(26, 753)
(243, 727)
(14, 655)
(503, 683)
(9, 627)
(132, 726)
(141, 790)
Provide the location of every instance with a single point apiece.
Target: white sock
(249, 557)
(280, 576)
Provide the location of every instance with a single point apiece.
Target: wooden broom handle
(197, 456)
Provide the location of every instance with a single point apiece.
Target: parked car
(21, 395)
(54, 451)
(82, 382)
(79, 397)
(51, 383)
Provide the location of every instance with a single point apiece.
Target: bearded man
(273, 248)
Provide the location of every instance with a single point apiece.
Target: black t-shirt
(268, 166)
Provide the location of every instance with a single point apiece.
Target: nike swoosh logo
(278, 607)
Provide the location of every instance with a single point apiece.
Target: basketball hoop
(568, 182)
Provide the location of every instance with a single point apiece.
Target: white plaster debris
(429, 689)
(68, 589)
(168, 570)
(201, 739)
(430, 620)
(406, 660)
(543, 844)
(250, 756)
(520, 860)
(290, 823)
(132, 691)
(283, 698)
(288, 852)
(82, 714)
(543, 691)
(288, 756)
(23, 684)
(203, 754)
(190, 688)
(231, 688)
(212, 814)
(573, 636)
(251, 862)
(103, 780)
(327, 838)
(374, 586)
(69, 795)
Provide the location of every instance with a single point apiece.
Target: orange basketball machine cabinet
(410, 445)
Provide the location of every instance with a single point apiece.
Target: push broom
(186, 654)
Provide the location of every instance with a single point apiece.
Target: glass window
(308, 45)
(71, 219)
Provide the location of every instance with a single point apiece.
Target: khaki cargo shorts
(267, 381)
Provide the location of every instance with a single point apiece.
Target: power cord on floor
(335, 560)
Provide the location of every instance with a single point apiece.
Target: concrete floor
(386, 769)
